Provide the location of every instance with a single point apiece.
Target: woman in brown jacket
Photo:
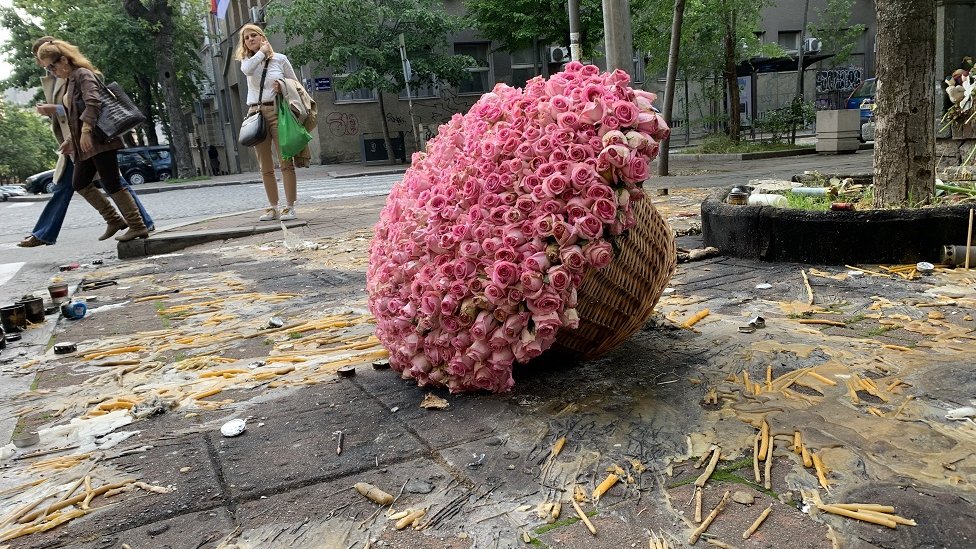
(91, 153)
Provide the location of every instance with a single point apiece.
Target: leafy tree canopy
(26, 142)
(517, 24)
(702, 51)
(831, 24)
(119, 45)
(361, 39)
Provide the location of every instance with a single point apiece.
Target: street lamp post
(575, 50)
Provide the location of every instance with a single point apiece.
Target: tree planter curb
(831, 238)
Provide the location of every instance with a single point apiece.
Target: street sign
(323, 84)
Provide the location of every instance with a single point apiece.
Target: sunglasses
(50, 67)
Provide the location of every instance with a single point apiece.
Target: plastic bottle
(775, 200)
(809, 191)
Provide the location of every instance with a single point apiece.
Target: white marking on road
(8, 270)
(21, 204)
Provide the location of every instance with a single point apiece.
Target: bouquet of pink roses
(479, 251)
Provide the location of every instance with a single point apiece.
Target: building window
(639, 67)
(422, 91)
(760, 35)
(524, 65)
(479, 80)
(359, 94)
(788, 40)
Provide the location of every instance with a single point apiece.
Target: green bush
(780, 122)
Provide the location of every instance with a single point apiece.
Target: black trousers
(107, 166)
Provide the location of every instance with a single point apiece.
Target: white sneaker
(287, 214)
(270, 214)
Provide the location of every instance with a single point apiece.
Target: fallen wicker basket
(616, 301)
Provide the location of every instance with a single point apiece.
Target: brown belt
(267, 104)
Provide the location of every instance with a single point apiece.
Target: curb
(392, 171)
(746, 156)
(177, 240)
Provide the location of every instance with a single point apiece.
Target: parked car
(6, 191)
(161, 157)
(862, 97)
(135, 167)
(40, 183)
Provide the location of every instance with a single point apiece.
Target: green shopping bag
(292, 137)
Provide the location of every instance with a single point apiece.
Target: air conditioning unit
(812, 45)
(257, 15)
(559, 54)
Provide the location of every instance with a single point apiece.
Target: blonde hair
(53, 50)
(242, 51)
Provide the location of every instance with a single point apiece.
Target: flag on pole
(213, 6)
(222, 6)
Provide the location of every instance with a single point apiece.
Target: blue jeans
(49, 223)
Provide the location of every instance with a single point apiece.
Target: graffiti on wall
(838, 80)
(342, 123)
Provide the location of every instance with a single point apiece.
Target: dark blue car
(862, 97)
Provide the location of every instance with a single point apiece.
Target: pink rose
(576, 208)
(647, 122)
(564, 234)
(644, 100)
(531, 281)
(568, 120)
(598, 190)
(572, 257)
(559, 278)
(547, 302)
(546, 325)
(495, 294)
(504, 274)
(537, 262)
(605, 210)
(592, 113)
(616, 155)
(636, 170)
(555, 185)
(625, 112)
(589, 227)
(609, 122)
(598, 253)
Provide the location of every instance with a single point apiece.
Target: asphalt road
(21, 269)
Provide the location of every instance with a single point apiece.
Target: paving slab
(297, 449)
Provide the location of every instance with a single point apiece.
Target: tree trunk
(146, 96)
(391, 155)
(160, 15)
(679, 13)
(731, 82)
(904, 146)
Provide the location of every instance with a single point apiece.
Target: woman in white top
(255, 53)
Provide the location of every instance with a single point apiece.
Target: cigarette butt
(865, 507)
(608, 483)
(805, 454)
(757, 523)
(558, 447)
(755, 458)
(698, 504)
(821, 378)
(797, 443)
(821, 471)
(764, 442)
(708, 520)
(695, 318)
(410, 518)
(373, 493)
(583, 517)
(873, 519)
